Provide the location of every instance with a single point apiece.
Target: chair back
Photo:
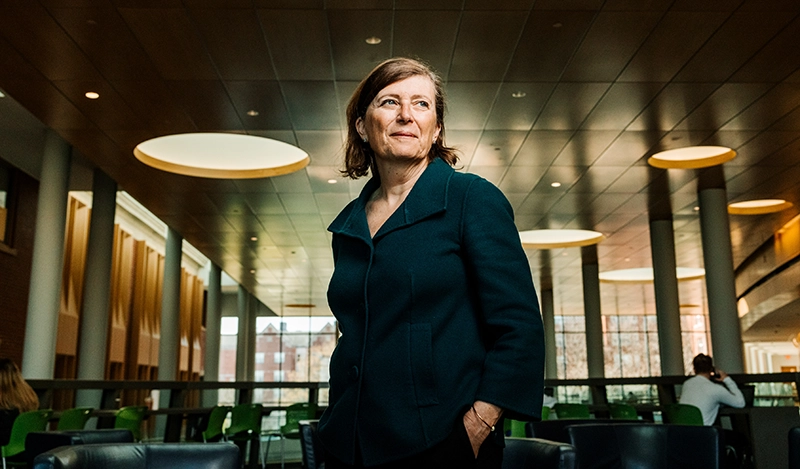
(646, 446)
(535, 453)
(26, 422)
(74, 419)
(216, 418)
(7, 417)
(794, 448)
(682, 414)
(572, 411)
(517, 428)
(313, 454)
(137, 455)
(294, 414)
(245, 418)
(130, 417)
(622, 411)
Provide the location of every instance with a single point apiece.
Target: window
(259, 357)
(280, 357)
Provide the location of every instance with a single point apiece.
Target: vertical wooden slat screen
(137, 274)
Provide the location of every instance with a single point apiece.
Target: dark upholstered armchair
(141, 456)
(37, 443)
(536, 453)
(646, 446)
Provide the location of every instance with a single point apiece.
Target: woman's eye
(423, 104)
(388, 101)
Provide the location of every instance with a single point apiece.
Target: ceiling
(606, 84)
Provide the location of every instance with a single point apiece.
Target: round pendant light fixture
(691, 157)
(221, 155)
(552, 239)
(758, 207)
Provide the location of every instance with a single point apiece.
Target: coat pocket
(422, 369)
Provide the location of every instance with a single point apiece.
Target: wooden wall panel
(121, 303)
(75, 243)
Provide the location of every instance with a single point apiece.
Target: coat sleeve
(513, 372)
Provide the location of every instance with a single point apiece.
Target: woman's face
(400, 122)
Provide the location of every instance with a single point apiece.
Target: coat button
(353, 373)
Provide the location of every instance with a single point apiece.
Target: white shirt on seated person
(703, 393)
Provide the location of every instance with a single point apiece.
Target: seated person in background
(15, 393)
(709, 388)
(549, 400)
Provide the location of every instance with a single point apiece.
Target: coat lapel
(427, 197)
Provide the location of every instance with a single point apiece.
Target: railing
(595, 391)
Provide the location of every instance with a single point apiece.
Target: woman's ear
(361, 129)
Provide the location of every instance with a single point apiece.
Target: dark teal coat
(437, 311)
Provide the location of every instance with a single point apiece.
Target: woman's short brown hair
(359, 158)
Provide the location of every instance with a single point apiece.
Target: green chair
(216, 419)
(517, 428)
(622, 411)
(26, 422)
(545, 413)
(130, 417)
(572, 411)
(246, 428)
(74, 419)
(682, 414)
(291, 429)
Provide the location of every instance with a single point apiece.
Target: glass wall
(630, 349)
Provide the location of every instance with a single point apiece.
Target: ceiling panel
(171, 39)
(729, 49)
(485, 45)
(298, 43)
(547, 44)
(604, 53)
(430, 36)
(349, 29)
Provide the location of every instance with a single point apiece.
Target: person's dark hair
(359, 157)
(15, 393)
(702, 363)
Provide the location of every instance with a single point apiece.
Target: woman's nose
(404, 113)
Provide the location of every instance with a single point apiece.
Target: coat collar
(427, 197)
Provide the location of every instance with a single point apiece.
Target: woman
(15, 393)
(441, 331)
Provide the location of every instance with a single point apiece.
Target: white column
(591, 308)
(213, 318)
(97, 293)
(41, 326)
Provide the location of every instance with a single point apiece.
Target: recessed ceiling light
(550, 239)
(758, 207)
(332, 181)
(221, 155)
(252, 113)
(691, 157)
(92, 95)
(372, 40)
(555, 184)
(252, 271)
(254, 238)
(2, 95)
(696, 208)
(645, 275)
(519, 94)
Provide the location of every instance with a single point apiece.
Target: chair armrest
(538, 453)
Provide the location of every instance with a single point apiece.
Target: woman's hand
(477, 430)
